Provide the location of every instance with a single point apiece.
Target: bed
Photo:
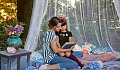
(110, 65)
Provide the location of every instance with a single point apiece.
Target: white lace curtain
(38, 12)
(93, 21)
(117, 6)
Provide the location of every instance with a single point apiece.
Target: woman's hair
(53, 22)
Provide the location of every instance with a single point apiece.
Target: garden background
(12, 11)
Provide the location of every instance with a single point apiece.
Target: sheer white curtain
(93, 21)
(38, 12)
(117, 6)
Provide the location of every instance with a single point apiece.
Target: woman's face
(63, 27)
(58, 27)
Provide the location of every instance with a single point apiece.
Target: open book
(68, 45)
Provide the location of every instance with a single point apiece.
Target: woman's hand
(72, 47)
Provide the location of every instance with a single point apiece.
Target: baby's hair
(63, 23)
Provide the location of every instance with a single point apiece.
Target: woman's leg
(63, 63)
(72, 57)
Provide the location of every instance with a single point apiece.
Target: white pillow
(77, 48)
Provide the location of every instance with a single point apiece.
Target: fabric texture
(36, 57)
(48, 53)
(78, 54)
(38, 12)
(117, 5)
(101, 49)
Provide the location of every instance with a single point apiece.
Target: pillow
(101, 49)
(78, 54)
(77, 48)
(36, 57)
(89, 45)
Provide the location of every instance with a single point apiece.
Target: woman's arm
(58, 42)
(58, 50)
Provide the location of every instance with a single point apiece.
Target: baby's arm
(70, 39)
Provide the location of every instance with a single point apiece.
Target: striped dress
(48, 53)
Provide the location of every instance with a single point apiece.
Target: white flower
(17, 26)
(11, 50)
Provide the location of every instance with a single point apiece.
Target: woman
(50, 49)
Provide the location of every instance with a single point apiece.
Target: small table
(17, 55)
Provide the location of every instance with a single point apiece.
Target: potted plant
(13, 30)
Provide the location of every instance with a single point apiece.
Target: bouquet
(13, 30)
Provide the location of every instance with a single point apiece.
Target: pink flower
(89, 44)
(11, 50)
(13, 33)
(6, 29)
(7, 25)
(9, 34)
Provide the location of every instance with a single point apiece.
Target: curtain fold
(38, 12)
(92, 21)
(117, 7)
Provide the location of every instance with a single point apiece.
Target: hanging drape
(38, 12)
(93, 21)
(117, 6)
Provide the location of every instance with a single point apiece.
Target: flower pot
(15, 41)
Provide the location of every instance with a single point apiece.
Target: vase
(14, 41)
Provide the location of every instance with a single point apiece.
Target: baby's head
(63, 23)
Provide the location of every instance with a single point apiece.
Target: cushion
(92, 47)
(101, 49)
(36, 57)
(78, 54)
